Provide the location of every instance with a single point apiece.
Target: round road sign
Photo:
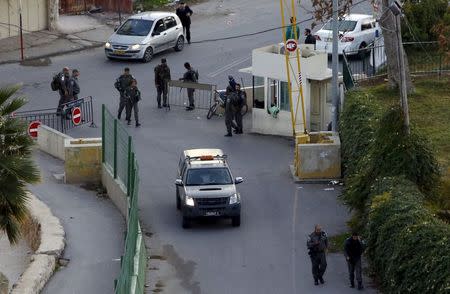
(76, 116)
(33, 128)
(291, 45)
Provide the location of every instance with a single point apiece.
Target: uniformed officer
(239, 103)
(162, 78)
(229, 113)
(121, 84)
(132, 95)
(318, 244)
(74, 85)
(190, 76)
(64, 95)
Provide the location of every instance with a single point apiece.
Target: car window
(170, 22)
(366, 26)
(344, 25)
(135, 27)
(159, 27)
(208, 176)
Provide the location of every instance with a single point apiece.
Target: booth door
(316, 113)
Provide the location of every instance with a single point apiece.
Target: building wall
(34, 16)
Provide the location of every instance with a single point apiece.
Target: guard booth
(271, 112)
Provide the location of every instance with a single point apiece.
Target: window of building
(284, 97)
(258, 92)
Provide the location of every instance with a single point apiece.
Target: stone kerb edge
(43, 261)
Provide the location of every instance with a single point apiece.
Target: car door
(159, 40)
(172, 31)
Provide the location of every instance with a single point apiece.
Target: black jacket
(183, 15)
(353, 249)
(310, 39)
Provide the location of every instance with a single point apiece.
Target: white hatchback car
(145, 34)
(356, 31)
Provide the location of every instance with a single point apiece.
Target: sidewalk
(94, 233)
(75, 33)
(13, 259)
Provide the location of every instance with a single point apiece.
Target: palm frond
(7, 92)
(12, 106)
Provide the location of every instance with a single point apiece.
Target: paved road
(267, 253)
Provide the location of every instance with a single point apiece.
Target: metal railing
(203, 94)
(119, 158)
(61, 121)
(371, 62)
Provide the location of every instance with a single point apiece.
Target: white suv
(356, 31)
(145, 34)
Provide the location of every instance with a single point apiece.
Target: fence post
(115, 148)
(374, 67)
(132, 177)
(129, 167)
(103, 133)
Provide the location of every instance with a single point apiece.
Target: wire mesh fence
(119, 157)
(203, 94)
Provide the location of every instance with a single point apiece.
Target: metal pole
(402, 86)
(115, 149)
(120, 13)
(335, 67)
(103, 134)
(21, 33)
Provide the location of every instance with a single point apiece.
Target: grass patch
(336, 242)
(429, 110)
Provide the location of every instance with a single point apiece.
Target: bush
(145, 5)
(407, 245)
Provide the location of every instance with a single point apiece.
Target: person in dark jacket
(190, 76)
(162, 78)
(238, 104)
(184, 13)
(133, 95)
(310, 39)
(74, 85)
(353, 249)
(318, 244)
(122, 83)
(64, 87)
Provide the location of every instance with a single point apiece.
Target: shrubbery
(388, 175)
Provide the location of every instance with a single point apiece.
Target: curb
(52, 243)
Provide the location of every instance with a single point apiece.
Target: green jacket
(290, 33)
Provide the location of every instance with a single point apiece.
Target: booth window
(284, 96)
(272, 93)
(258, 92)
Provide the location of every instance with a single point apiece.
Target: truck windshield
(208, 176)
(135, 27)
(344, 25)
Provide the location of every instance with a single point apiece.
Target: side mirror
(238, 180)
(179, 182)
(116, 28)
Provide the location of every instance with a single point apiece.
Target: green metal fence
(119, 158)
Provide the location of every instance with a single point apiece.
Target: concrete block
(83, 160)
(116, 191)
(4, 284)
(51, 141)
(37, 274)
(320, 158)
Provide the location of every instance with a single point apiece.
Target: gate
(61, 121)
(77, 6)
(203, 94)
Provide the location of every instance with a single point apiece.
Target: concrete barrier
(83, 160)
(116, 191)
(320, 158)
(51, 246)
(51, 141)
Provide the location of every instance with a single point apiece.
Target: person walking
(132, 95)
(74, 85)
(190, 76)
(292, 31)
(162, 78)
(122, 83)
(310, 39)
(184, 13)
(229, 113)
(238, 104)
(64, 87)
(353, 249)
(318, 244)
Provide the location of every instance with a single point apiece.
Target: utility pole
(396, 9)
(335, 68)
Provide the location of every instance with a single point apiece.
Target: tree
(323, 11)
(17, 168)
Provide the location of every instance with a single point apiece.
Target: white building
(270, 89)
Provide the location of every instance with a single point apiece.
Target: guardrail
(203, 94)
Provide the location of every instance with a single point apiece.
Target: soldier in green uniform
(122, 83)
(162, 78)
(318, 244)
(132, 95)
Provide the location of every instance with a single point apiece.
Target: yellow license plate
(119, 52)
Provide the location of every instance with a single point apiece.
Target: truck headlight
(107, 45)
(189, 201)
(234, 198)
(135, 47)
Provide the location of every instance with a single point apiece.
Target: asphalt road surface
(267, 253)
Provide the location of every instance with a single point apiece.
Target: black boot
(229, 134)
(352, 284)
(360, 286)
(138, 124)
(321, 280)
(316, 282)
(159, 106)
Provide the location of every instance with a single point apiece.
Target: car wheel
(148, 55)
(186, 223)
(180, 44)
(178, 200)
(236, 221)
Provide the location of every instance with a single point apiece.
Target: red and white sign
(291, 45)
(33, 128)
(76, 116)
